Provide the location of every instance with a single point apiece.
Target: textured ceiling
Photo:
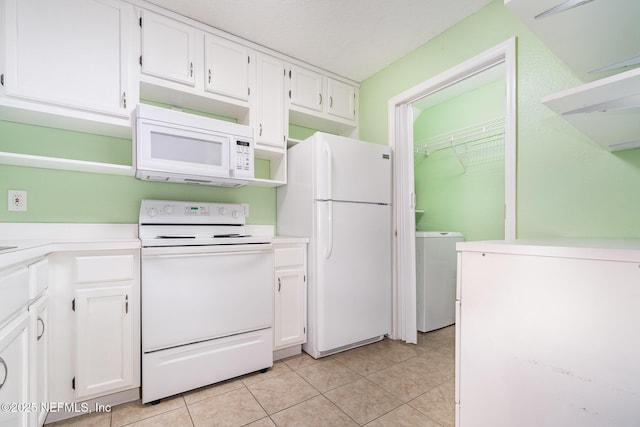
(353, 38)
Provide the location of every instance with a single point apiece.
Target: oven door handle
(204, 254)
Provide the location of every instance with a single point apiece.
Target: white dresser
(547, 333)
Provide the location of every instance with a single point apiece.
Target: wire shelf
(477, 144)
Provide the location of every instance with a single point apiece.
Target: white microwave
(173, 146)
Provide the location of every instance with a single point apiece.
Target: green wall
(566, 184)
(68, 196)
(469, 201)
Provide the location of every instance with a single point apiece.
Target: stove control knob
(152, 212)
(168, 209)
(222, 211)
(235, 214)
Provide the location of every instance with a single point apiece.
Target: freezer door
(351, 170)
(352, 289)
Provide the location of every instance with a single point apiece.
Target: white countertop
(34, 240)
(627, 250)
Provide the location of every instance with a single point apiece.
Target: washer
(436, 278)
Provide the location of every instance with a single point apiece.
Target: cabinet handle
(124, 100)
(260, 134)
(190, 69)
(279, 284)
(126, 304)
(209, 75)
(6, 372)
(40, 321)
(330, 101)
(320, 98)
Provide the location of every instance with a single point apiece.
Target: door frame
(400, 120)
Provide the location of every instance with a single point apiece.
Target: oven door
(178, 149)
(197, 293)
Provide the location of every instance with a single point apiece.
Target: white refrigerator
(338, 194)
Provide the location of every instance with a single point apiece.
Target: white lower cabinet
(39, 359)
(95, 323)
(104, 340)
(14, 371)
(290, 295)
(23, 344)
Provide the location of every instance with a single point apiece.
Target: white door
(270, 101)
(226, 67)
(351, 170)
(352, 289)
(342, 99)
(104, 340)
(289, 307)
(14, 378)
(39, 341)
(306, 88)
(168, 49)
(69, 52)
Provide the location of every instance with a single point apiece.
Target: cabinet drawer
(287, 257)
(105, 268)
(38, 278)
(14, 292)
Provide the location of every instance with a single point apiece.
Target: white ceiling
(352, 38)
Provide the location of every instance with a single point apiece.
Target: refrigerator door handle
(329, 155)
(328, 249)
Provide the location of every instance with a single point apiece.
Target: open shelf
(606, 110)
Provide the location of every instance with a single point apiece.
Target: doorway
(401, 118)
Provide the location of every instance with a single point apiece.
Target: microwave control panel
(243, 164)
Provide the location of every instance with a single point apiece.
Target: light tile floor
(388, 383)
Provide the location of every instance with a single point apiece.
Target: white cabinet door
(72, 53)
(226, 67)
(14, 370)
(104, 340)
(168, 48)
(39, 341)
(306, 88)
(342, 99)
(289, 308)
(269, 105)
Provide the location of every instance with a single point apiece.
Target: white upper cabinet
(226, 67)
(319, 101)
(168, 48)
(72, 53)
(306, 88)
(186, 66)
(269, 123)
(342, 99)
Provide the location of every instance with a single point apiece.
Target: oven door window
(173, 149)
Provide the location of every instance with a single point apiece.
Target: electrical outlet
(17, 200)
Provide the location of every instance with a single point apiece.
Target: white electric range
(207, 306)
